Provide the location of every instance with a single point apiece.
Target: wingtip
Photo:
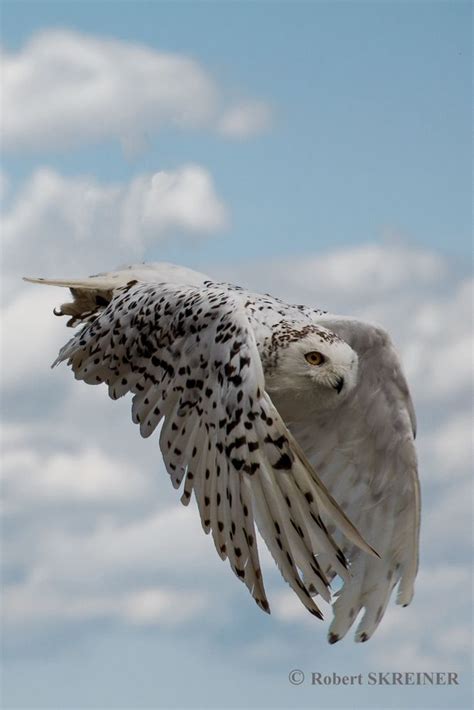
(374, 552)
(361, 543)
(355, 537)
(263, 605)
(405, 595)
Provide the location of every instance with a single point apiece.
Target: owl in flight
(271, 413)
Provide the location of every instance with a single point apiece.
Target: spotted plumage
(267, 411)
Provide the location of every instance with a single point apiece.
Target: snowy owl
(280, 414)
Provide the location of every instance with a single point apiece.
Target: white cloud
(449, 447)
(76, 223)
(4, 185)
(151, 606)
(184, 198)
(146, 569)
(23, 326)
(39, 601)
(86, 476)
(447, 528)
(364, 272)
(64, 88)
(437, 342)
(245, 119)
(167, 540)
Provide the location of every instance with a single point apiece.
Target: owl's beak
(339, 384)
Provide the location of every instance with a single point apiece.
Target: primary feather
(321, 458)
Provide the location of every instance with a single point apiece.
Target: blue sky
(345, 182)
(371, 130)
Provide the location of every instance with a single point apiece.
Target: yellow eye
(314, 358)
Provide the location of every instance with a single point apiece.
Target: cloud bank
(82, 223)
(65, 89)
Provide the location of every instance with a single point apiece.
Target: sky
(317, 151)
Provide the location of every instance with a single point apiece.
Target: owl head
(312, 364)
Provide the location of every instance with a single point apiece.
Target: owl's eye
(314, 358)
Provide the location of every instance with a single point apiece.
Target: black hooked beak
(339, 384)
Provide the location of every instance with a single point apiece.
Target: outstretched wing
(364, 452)
(188, 355)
